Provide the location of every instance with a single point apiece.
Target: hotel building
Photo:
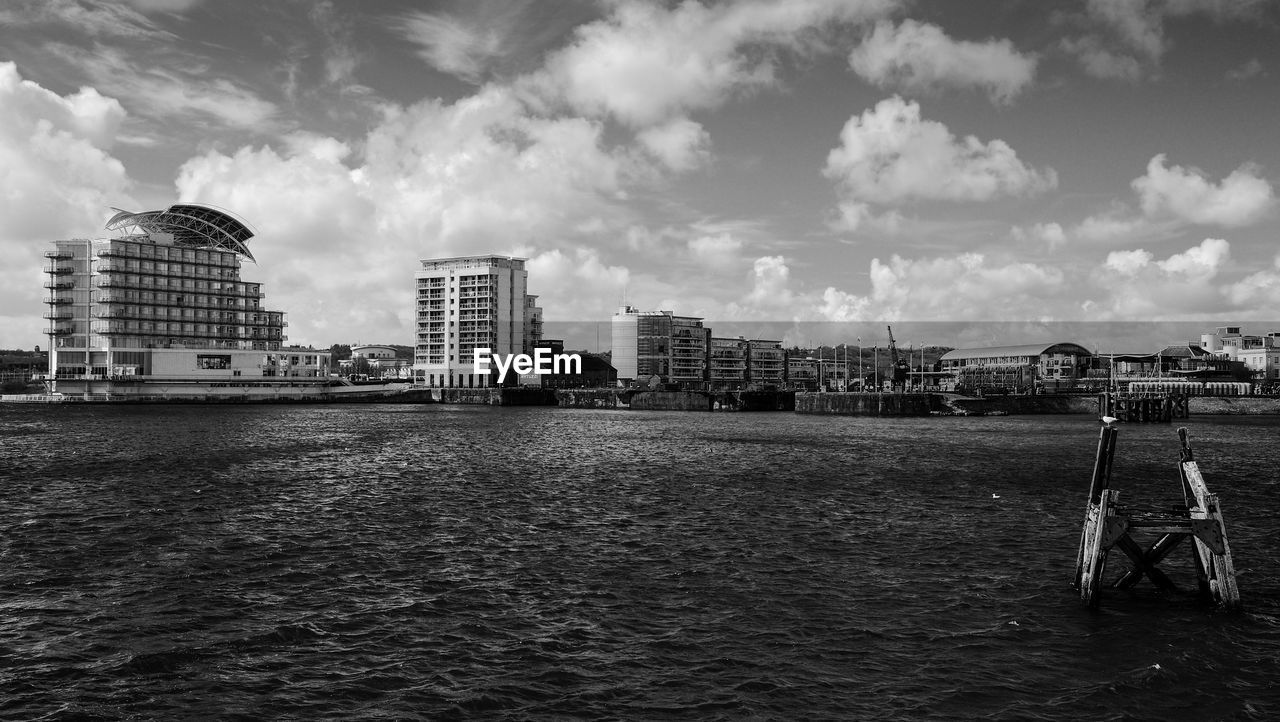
(469, 303)
(160, 309)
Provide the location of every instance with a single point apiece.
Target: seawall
(496, 397)
(867, 404)
(1233, 405)
(1018, 405)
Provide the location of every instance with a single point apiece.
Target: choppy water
(434, 562)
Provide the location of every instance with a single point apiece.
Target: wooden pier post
(1107, 525)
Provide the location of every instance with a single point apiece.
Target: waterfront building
(727, 368)
(469, 303)
(594, 370)
(161, 308)
(649, 344)
(736, 363)
(376, 362)
(766, 363)
(803, 373)
(1263, 363)
(1050, 367)
(1229, 341)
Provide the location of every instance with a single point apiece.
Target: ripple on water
(434, 562)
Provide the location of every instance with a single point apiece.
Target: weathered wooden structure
(1109, 525)
(1142, 408)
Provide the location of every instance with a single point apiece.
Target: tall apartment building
(470, 303)
(163, 304)
(660, 343)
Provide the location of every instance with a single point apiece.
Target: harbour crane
(901, 368)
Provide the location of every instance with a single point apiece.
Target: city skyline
(807, 165)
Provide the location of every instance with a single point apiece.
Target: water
(451, 561)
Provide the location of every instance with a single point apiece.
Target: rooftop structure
(190, 225)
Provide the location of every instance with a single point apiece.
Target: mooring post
(1098, 484)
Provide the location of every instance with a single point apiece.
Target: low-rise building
(1018, 369)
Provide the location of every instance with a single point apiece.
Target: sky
(980, 173)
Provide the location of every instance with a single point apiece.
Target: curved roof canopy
(1016, 351)
(191, 225)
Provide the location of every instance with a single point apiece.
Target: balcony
(56, 331)
(59, 255)
(59, 301)
(60, 285)
(59, 269)
(55, 314)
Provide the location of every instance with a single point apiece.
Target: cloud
(1050, 234)
(55, 167)
(576, 280)
(1172, 197)
(1259, 291)
(1133, 285)
(1247, 71)
(770, 295)
(889, 155)
(681, 144)
(453, 45)
(96, 20)
(715, 252)
(480, 175)
(1127, 263)
(919, 56)
(646, 64)
(1127, 37)
(1241, 199)
(172, 91)
(58, 178)
(963, 287)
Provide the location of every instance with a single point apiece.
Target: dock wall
(1018, 405)
(867, 404)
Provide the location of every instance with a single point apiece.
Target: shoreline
(803, 402)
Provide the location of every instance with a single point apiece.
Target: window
(214, 361)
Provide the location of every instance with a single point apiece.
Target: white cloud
(920, 56)
(715, 252)
(889, 155)
(681, 144)
(56, 171)
(1202, 261)
(576, 281)
(435, 179)
(1259, 291)
(1127, 37)
(963, 287)
(1050, 234)
(1128, 263)
(1111, 225)
(770, 295)
(1241, 199)
(57, 179)
(646, 64)
(1132, 285)
(452, 45)
(172, 91)
(1100, 62)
